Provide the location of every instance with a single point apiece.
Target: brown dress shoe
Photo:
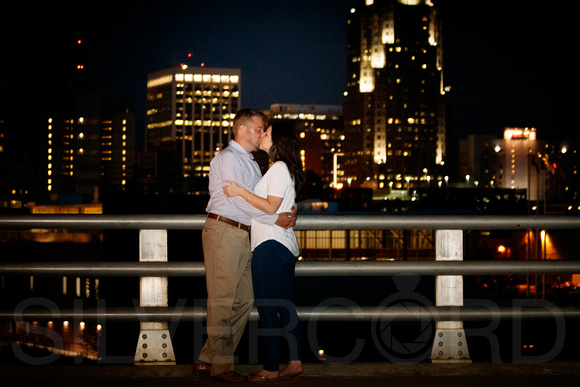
(200, 369)
(230, 376)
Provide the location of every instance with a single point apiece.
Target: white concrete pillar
(449, 345)
(154, 346)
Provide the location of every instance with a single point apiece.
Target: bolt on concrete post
(154, 346)
(449, 344)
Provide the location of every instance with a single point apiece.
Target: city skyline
(505, 62)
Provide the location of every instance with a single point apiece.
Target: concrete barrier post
(449, 345)
(154, 346)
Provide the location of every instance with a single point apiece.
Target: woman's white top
(276, 182)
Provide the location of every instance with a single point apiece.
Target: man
(226, 247)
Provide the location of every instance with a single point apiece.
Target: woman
(275, 250)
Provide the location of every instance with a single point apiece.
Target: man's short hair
(245, 115)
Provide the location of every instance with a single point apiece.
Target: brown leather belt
(229, 221)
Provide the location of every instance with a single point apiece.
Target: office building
(65, 140)
(481, 161)
(545, 170)
(394, 108)
(190, 113)
(320, 132)
(88, 143)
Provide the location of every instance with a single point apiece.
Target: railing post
(449, 345)
(154, 346)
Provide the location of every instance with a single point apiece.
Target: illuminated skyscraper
(89, 142)
(78, 140)
(190, 112)
(394, 109)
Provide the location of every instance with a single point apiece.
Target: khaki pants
(228, 261)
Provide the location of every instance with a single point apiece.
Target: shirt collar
(238, 148)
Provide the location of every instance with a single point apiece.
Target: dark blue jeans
(273, 278)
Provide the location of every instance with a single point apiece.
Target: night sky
(508, 62)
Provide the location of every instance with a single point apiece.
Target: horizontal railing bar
(326, 313)
(305, 222)
(373, 268)
(304, 269)
(106, 269)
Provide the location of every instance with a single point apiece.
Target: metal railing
(154, 268)
(305, 222)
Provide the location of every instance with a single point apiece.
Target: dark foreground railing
(154, 313)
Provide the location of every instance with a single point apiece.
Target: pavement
(564, 373)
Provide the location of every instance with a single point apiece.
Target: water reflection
(57, 337)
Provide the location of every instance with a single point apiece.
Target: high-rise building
(320, 132)
(394, 108)
(190, 113)
(89, 143)
(77, 141)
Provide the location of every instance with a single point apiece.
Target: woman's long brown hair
(285, 148)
